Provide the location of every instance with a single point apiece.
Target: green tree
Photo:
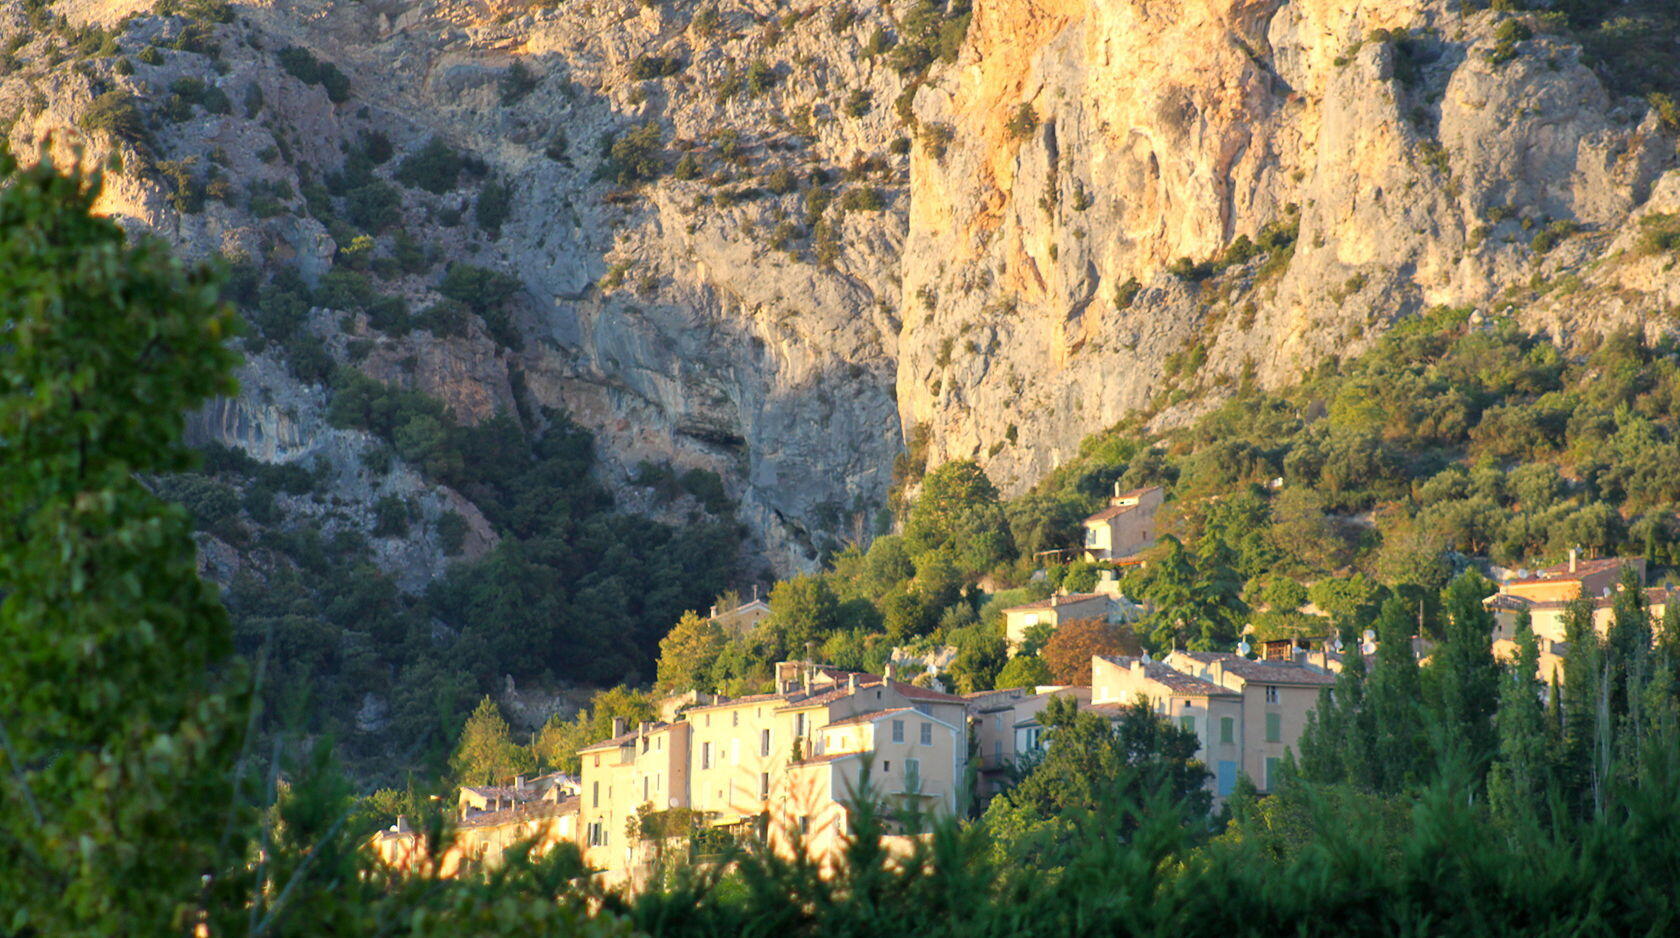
(803, 610)
(688, 653)
(486, 754)
(119, 756)
(1024, 671)
(1517, 780)
(1463, 675)
(1394, 696)
(557, 743)
(1093, 768)
(958, 510)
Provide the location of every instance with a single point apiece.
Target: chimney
(642, 728)
(714, 610)
(1116, 488)
(519, 783)
(1574, 558)
(402, 824)
(620, 726)
(851, 683)
(889, 673)
(1055, 599)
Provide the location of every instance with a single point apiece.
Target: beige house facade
(1211, 711)
(1126, 526)
(768, 765)
(1276, 697)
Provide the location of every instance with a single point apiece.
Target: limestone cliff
(1099, 207)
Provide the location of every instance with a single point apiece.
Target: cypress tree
(1464, 677)
(1516, 781)
(1392, 697)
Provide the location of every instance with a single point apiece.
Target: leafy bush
(516, 83)
(634, 156)
(495, 202)
(1023, 120)
(118, 114)
(435, 167)
(305, 67)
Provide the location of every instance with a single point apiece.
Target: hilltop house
(1126, 526)
(743, 618)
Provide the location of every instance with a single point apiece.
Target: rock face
(812, 274)
(1415, 169)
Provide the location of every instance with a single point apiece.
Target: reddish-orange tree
(1069, 651)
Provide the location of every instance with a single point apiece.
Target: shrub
(1659, 233)
(435, 167)
(150, 55)
(117, 114)
(1554, 234)
(634, 156)
(880, 41)
(390, 516)
(495, 202)
(1126, 293)
(1023, 120)
(862, 199)
(373, 207)
(761, 77)
(517, 82)
(858, 103)
(649, 67)
(305, 67)
(451, 532)
(688, 167)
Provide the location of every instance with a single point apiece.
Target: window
(927, 734)
(705, 755)
(898, 731)
(997, 750)
(1032, 737)
(799, 724)
(1272, 773)
(659, 743)
(763, 742)
(1274, 727)
(886, 766)
(1271, 695)
(763, 785)
(735, 718)
(646, 779)
(912, 775)
(594, 794)
(1227, 730)
(804, 825)
(734, 752)
(1187, 723)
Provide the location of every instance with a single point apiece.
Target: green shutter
(1274, 727)
(1227, 730)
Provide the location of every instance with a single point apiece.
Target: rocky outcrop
(1414, 167)
(1101, 207)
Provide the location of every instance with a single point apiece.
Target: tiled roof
(1653, 594)
(1173, 679)
(869, 717)
(1110, 513)
(1583, 568)
(826, 696)
(626, 739)
(524, 812)
(1265, 672)
(738, 701)
(1060, 601)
